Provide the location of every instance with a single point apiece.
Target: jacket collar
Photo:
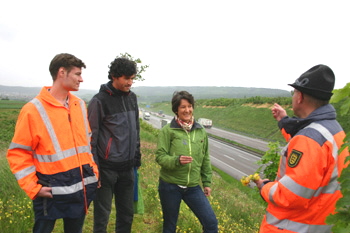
(292, 125)
(47, 97)
(108, 87)
(175, 125)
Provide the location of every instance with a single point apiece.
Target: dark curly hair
(65, 60)
(122, 66)
(178, 96)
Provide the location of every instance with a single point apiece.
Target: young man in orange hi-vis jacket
(306, 189)
(50, 153)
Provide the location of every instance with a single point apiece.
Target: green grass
(11, 104)
(16, 213)
(239, 209)
(8, 120)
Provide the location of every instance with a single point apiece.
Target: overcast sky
(251, 43)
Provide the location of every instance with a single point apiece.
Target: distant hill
(27, 93)
(156, 94)
(159, 94)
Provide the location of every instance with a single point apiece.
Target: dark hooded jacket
(114, 121)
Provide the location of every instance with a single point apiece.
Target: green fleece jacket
(174, 141)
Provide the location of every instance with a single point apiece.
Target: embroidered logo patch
(294, 158)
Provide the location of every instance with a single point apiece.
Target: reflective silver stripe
(24, 172)
(296, 226)
(333, 184)
(282, 170)
(19, 146)
(48, 124)
(56, 157)
(64, 154)
(272, 191)
(296, 188)
(325, 132)
(83, 109)
(84, 149)
(64, 190)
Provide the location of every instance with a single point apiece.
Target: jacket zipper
(127, 118)
(190, 154)
(80, 166)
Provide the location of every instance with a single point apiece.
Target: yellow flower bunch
(246, 179)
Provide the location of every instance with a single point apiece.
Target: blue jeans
(170, 199)
(71, 225)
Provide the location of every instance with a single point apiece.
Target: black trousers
(119, 184)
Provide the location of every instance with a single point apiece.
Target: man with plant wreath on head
(50, 152)
(306, 189)
(114, 120)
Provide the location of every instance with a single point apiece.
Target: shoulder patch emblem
(294, 158)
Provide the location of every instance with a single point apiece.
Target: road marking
(253, 157)
(243, 157)
(229, 157)
(211, 157)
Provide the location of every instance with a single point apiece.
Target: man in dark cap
(306, 188)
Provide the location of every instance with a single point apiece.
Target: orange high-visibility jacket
(52, 143)
(306, 188)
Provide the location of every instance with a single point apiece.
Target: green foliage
(342, 95)
(341, 220)
(140, 68)
(270, 161)
(251, 100)
(147, 132)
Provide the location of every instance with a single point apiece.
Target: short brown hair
(65, 60)
(178, 96)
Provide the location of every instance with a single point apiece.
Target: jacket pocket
(108, 148)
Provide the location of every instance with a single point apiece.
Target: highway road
(233, 161)
(244, 140)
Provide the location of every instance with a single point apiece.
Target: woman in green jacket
(182, 153)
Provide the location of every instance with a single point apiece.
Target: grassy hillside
(248, 116)
(239, 209)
